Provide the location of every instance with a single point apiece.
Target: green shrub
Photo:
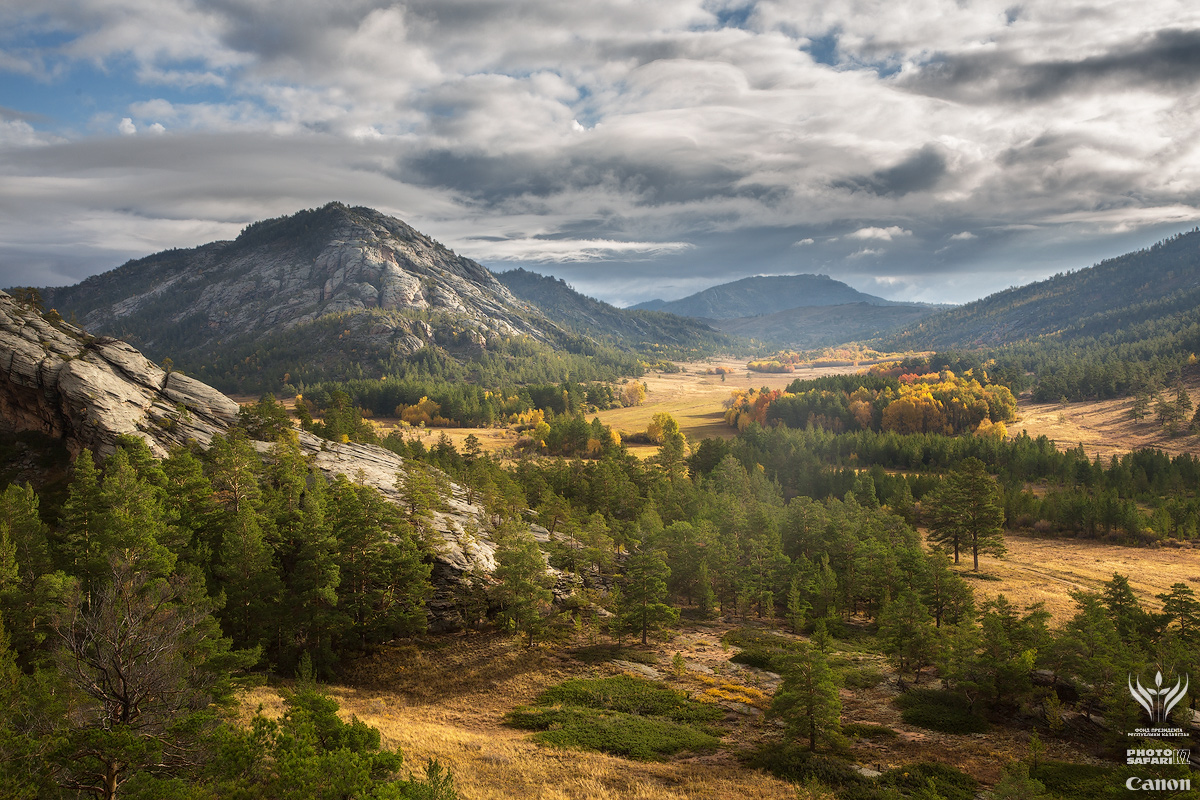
(759, 659)
(865, 730)
(865, 677)
(948, 782)
(759, 649)
(631, 696)
(754, 639)
(869, 791)
(613, 732)
(600, 653)
(793, 762)
(940, 710)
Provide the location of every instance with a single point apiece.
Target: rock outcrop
(333, 280)
(58, 380)
(87, 391)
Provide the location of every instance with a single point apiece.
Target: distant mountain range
(636, 329)
(813, 327)
(1157, 285)
(340, 292)
(760, 295)
(804, 311)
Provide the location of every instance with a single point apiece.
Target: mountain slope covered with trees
(1157, 283)
(759, 294)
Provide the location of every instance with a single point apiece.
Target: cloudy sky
(917, 149)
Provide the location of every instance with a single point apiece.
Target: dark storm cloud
(639, 148)
(22, 116)
(919, 172)
(493, 179)
(1168, 59)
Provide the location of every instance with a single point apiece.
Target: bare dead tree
(139, 662)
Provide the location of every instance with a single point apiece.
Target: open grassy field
(1103, 427)
(1047, 570)
(446, 699)
(696, 400)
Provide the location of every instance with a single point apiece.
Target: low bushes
(622, 715)
(940, 710)
(613, 732)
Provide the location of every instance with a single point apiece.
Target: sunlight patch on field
(1047, 570)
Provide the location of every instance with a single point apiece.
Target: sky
(916, 149)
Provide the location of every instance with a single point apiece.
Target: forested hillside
(757, 295)
(1099, 301)
(670, 335)
(1127, 325)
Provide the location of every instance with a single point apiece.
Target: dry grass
(696, 400)
(447, 699)
(1103, 427)
(1046, 570)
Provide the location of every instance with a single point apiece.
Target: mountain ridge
(1100, 300)
(639, 329)
(763, 294)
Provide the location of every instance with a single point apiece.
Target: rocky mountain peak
(387, 279)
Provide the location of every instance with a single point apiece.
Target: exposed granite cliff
(336, 280)
(57, 380)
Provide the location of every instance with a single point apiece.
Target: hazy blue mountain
(755, 296)
(810, 327)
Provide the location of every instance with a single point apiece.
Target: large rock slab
(57, 380)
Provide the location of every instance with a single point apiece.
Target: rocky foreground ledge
(58, 380)
(86, 391)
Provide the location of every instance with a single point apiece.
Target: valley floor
(1047, 570)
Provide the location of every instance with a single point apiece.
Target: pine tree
(1132, 622)
(1181, 607)
(797, 606)
(807, 700)
(645, 589)
(906, 634)
(133, 517)
(965, 512)
(244, 556)
(948, 596)
(81, 521)
(705, 597)
(524, 589)
(1016, 784)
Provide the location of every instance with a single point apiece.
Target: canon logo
(1158, 784)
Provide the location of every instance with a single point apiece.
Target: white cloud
(883, 234)
(571, 131)
(566, 250)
